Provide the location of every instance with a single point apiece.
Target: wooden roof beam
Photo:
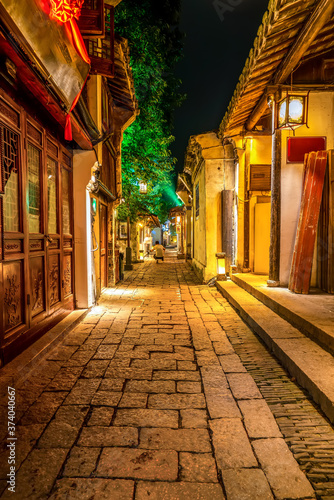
(319, 17)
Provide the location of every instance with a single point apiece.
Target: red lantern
(65, 10)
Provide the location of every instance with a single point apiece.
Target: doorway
(104, 245)
(262, 238)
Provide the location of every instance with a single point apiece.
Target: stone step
(311, 314)
(312, 366)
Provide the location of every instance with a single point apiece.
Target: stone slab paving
(149, 398)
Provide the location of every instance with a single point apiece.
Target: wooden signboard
(301, 269)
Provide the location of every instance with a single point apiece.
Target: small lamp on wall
(221, 271)
(292, 111)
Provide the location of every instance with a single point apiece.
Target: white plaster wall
(213, 178)
(214, 186)
(82, 164)
(200, 222)
(321, 120)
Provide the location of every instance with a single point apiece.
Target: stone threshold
(311, 365)
(19, 368)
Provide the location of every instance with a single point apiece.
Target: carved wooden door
(104, 245)
(51, 269)
(42, 195)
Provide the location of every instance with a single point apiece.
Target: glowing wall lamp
(292, 111)
(143, 188)
(221, 271)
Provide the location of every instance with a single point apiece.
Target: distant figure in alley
(159, 251)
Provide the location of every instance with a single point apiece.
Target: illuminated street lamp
(292, 111)
(143, 188)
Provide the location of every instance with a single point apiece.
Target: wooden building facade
(41, 76)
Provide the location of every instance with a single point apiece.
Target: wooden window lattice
(10, 153)
(101, 51)
(197, 199)
(10, 178)
(91, 22)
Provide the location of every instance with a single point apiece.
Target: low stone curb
(312, 366)
(16, 371)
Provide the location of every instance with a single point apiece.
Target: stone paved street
(158, 395)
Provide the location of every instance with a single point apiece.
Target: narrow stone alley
(161, 393)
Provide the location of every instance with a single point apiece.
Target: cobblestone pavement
(163, 393)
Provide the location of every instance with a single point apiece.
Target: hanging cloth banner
(66, 11)
(77, 42)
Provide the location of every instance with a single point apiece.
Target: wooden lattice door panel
(326, 231)
(11, 175)
(301, 269)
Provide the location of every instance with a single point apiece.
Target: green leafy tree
(155, 41)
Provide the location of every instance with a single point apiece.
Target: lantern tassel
(75, 37)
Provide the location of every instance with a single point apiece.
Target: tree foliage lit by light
(151, 28)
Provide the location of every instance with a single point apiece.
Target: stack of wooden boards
(316, 209)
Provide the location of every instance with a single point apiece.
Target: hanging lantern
(143, 188)
(292, 111)
(65, 10)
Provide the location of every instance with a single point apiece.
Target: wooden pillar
(227, 227)
(246, 210)
(275, 224)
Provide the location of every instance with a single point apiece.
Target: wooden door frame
(103, 204)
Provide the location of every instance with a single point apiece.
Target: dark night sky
(215, 52)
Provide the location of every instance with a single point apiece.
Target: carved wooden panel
(9, 113)
(36, 245)
(53, 274)
(54, 244)
(67, 275)
(34, 133)
(37, 285)
(13, 246)
(13, 294)
(67, 243)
